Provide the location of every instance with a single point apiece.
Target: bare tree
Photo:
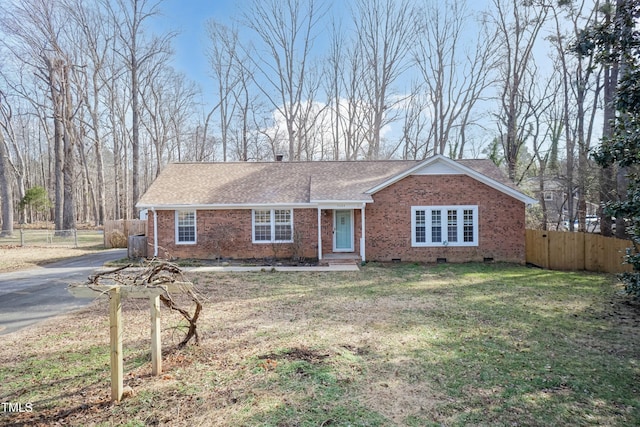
(333, 73)
(287, 30)
(310, 122)
(37, 30)
(167, 100)
(80, 66)
(136, 51)
(222, 53)
(416, 130)
(245, 109)
(6, 180)
(95, 36)
(518, 26)
(455, 77)
(581, 89)
(605, 38)
(12, 167)
(385, 32)
(117, 124)
(356, 118)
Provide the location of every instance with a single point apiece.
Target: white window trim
(195, 227)
(460, 209)
(272, 213)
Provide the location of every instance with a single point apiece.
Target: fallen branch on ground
(157, 274)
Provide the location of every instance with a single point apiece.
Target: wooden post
(156, 345)
(116, 293)
(115, 335)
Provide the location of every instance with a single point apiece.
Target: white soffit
(437, 168)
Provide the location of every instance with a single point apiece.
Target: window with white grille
(444, 226)
(272, 225)
(185, 227)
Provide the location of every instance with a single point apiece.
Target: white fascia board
(464, 170)
(340, 204)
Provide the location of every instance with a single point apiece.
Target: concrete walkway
(238, 269)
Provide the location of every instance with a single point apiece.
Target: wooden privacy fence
(561, 250)
(117, 232)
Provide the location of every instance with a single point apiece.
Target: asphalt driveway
(29, 296)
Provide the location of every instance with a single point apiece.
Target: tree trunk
(135, 140)
(622, 184)
(90, 192)
(607, 174)
(58, 146)
(69, 209)
(99, 220)
(6, 193)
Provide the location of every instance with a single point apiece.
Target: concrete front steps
(340, 259)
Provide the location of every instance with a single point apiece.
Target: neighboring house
(555, 201)
(432, 210)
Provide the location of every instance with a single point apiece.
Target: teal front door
(343, 231)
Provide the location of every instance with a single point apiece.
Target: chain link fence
(54, 238)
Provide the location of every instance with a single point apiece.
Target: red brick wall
(228, 233)
(388, 220)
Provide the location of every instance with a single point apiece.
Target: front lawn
(475, 344)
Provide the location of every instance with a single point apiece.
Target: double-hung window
(185, 227)
(444, 226)
(272, 226)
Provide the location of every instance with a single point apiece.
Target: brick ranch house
(432, 210)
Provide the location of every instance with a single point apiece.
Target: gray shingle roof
(249, 183)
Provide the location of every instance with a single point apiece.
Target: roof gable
(481, 170)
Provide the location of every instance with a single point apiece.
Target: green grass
(472, 344)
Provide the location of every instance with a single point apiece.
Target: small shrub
(117, 239)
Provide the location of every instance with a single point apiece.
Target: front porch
(341, 233)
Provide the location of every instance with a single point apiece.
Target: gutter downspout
(155, 232)
(362, 237)
(319, 233)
